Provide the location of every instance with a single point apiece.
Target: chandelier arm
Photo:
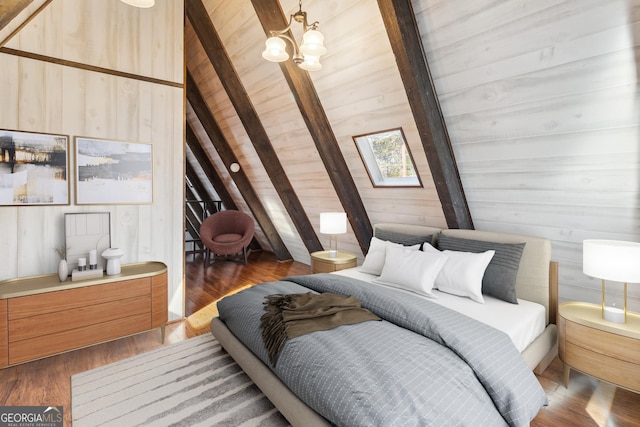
(275, 33)
(313, 26)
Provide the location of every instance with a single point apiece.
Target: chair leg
(207, 257)
(244, 253)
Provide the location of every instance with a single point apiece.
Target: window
(388, 159)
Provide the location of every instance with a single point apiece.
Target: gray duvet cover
(423, 365)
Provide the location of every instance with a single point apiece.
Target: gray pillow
(402, 238)
(499, 279)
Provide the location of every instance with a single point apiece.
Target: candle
(93, 258)
(614, 314)
(82, 264)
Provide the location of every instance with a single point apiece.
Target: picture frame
(34, 168)
(83, 232)
(113, 172)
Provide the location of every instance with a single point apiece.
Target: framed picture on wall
(113, 172)
(34, 168)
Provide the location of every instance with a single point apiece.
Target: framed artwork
(113, 172)
(34, 168)
(84, 232)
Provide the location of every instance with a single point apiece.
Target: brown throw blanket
(291, 315)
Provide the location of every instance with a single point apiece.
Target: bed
(535, 282)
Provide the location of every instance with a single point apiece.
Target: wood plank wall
(541, 102)
(42, 96)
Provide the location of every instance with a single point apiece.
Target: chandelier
(308, 55)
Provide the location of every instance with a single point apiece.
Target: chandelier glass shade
(308, 55)
(139, 3)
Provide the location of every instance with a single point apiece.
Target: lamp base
(333, 253)
(613, 314)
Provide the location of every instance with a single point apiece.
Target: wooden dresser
(605, 350)
(41, 316)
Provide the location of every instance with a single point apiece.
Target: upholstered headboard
(533, 279)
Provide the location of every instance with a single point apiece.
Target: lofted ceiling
(291, 131)
(505, 107)
(521, 117)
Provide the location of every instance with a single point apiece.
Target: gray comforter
(423, 365)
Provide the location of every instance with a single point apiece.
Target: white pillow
(412, 270)
(462, 273)
(374, 261)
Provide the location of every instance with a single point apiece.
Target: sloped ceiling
(540, 102)
(9, 9)
(538, 99)
(310, 119)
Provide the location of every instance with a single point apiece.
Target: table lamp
(333, 223)
(613, 260)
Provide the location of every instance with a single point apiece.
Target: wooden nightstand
(605, 350)
(321, 263)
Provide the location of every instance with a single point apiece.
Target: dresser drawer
(59, 301)
(606, 343)
(623, 373)
(59, 342)
(51, 323)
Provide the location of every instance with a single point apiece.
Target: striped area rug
(190, 383)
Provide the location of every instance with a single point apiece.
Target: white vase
(63, 270)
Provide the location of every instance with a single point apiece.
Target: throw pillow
(402, 238)
(411, 270)
(499, 280)
(462, 274)
(374, 261)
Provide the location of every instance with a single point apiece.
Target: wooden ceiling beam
(208, 36)
(193, 214)
(9, 9)
(240, 178)
(404, 35)
(272, 18)
(199, 190)
(212, 174)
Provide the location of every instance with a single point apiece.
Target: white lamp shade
(139, 3)
(313, 43)
(333, 222)
(275, 50)
(311, 63)
(614, 260)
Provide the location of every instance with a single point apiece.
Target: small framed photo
(34, 168)
(113, 172)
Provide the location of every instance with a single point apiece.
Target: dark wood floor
(587, 402)
(209, 283)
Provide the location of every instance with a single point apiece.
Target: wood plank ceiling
(9, 9)
(220, 34)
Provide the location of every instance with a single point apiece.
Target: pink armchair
(226, 235)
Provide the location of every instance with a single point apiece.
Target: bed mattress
(522, 322)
